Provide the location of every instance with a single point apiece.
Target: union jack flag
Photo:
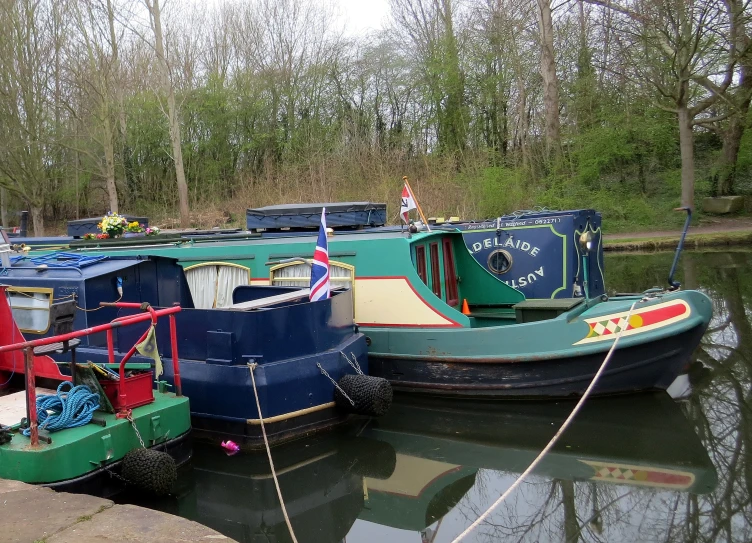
(320, 266)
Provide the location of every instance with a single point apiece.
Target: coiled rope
(556, 437)
(252, 366)
(72, 408)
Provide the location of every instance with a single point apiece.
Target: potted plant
(113, 225)
(133, 230)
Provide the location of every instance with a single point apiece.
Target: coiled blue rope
(72, 408)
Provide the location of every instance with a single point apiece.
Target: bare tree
(173, 118)
(26, 126)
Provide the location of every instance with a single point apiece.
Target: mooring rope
(252, 367)
(72, 408)
(556, 437)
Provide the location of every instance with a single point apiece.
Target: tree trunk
(3, 208)
(37, 217)
(686, 146)
(109, 159)
(550, 81)
(120, 103)
(571, 524)
(172, 116)
(732, 139)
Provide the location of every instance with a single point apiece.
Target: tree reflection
(720, 410)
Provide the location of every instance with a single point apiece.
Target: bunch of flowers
(113, 225)
(134, 227)
(104, 235)
(152, 231)
(90, 236)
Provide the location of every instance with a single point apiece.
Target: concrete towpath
(32, 514)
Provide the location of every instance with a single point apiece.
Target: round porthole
(500, 261)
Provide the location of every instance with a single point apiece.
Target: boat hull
(81, 459)
(649, 366)
(550, 358)
(106, 483)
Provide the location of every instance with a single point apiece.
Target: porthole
(500, 261)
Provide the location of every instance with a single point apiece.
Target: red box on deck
(139, 391)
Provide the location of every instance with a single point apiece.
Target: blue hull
(286, 342)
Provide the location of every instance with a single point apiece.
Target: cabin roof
(26, 268)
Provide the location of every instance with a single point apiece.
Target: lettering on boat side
(509, 243)
(489, 225)
(526, 279)
(606, 327)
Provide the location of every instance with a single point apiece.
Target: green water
(638, 468)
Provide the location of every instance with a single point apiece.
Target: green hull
(76, 452)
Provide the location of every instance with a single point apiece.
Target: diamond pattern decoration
(607, 472)
(608, 327)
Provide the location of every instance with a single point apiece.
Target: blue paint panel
(544, 252)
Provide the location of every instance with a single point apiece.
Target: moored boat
(437, 321)
(88, 434)
(536, 252)
(272, 341)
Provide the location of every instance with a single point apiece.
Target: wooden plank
(270, 300)
(13, 406)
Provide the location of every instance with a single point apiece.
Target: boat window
(450, 273)
(298, 274)
(212, 283)
(31, 308)
(500, 261)
(420, 263)
(435, 270)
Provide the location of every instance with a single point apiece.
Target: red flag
(408, 203)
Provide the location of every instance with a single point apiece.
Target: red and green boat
(130, 416)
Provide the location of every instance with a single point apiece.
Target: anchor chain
(355, 366)
(323, 371)
(129, 416)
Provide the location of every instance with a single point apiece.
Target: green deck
(77, 451)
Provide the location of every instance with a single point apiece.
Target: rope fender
(71, 408)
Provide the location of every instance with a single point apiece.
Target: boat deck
(13, 406)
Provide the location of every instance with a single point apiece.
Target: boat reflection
(642, 441)
(409, 469)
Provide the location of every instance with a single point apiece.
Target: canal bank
(723, 233)
(32, 514)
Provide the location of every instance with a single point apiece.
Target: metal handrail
(152, 315)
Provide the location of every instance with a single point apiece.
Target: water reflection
(636, 468)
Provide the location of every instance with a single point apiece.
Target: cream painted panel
(392, 301)
(411, 476)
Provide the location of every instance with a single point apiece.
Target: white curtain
(202, 280)
(228, 278)
(299, 275)
(339, 276)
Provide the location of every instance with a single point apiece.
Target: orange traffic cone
(465, 307)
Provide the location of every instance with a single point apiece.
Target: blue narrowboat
(271, 339)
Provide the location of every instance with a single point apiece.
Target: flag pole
(420, 211)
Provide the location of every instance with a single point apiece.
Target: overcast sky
(363, 15)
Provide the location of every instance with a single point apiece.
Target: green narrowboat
(98, 424)
(437, 321)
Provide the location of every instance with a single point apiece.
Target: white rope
(554, 439)
(252, 366)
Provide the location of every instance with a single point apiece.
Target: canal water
(646, 468)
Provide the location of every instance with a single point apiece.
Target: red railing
(152, 314)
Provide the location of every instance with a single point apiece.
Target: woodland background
(191, 113)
